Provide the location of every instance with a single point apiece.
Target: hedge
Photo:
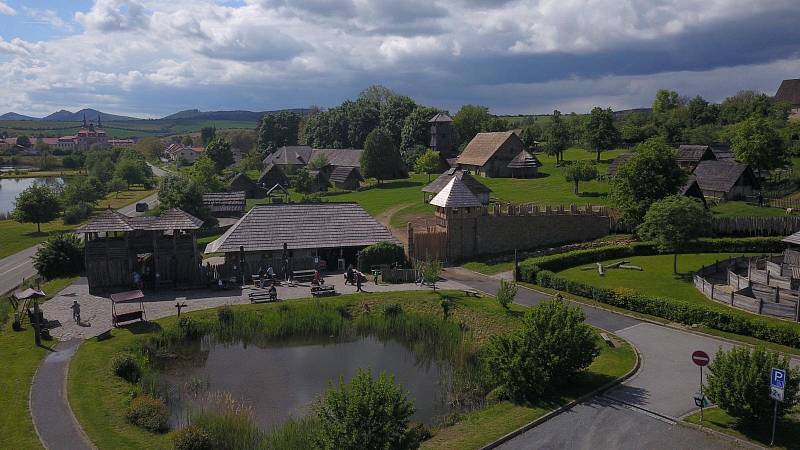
(541, 271)
(558, 262)
(380, 253)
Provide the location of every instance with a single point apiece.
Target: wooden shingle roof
(302, 226)
(218, 202)
(524, 160)
(483, 146)
(794, 238)
(789, 91)
(475, 186)
(350, 157)
(107, 221)
(721, 176)
(290, 155)
(341, 174)
(455, 195)
(111, 220)
(695, 153)
(441, 117)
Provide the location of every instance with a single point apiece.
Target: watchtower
(442, 135)
(457, 213)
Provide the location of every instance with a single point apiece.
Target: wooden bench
(323, 291)
(303, 275)
(471, 293)
(262, 296)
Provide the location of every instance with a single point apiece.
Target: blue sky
(152, 57)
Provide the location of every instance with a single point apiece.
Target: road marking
(629, 327)
(639, 409)
(15, 267)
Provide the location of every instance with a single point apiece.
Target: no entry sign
(700, 358)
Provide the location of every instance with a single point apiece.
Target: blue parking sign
(778, 378)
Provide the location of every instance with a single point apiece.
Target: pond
(285, 379)
(10, 188)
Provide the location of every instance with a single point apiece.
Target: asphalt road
(642, 411)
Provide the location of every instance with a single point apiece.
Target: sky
(150, 58)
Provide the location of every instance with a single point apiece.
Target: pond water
(10, 188)
(286, 379)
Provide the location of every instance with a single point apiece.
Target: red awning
(28, 293)
(127, 296)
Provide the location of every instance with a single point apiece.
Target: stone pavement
(96, 311)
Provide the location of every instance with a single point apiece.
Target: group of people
(354, 277)
(266, 279)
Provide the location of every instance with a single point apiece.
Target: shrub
(506, 293)
(189, 328)
(739, 384)
(552, 345)
(379, 254)
(61, 255)
(192, 438)
(366, 413)
(225, 315)
(77, 213)
(149, 413)
(124, 365)
(393, 309)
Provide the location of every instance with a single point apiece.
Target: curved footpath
(643, 411)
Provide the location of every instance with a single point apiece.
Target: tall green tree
(219, 150)
(757, 142)
(557, 136)
(59, 256)
(393, 114)
(203, 173)
(37, 204)
(179, 191)
(666, 101)
(674, 223)
(601, 133)
(207, 134)
(650, 175)
(469, 121)
(23, 141)
(415, 137)
(428, 163)
(380, 159)
(150, 147)
(578, 171)
(363, 116)
(278, 129)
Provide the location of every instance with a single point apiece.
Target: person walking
(76, 311)
(358, 282)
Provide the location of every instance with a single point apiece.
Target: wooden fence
(394, 275)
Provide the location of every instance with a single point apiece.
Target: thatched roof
(617, 162)
(792, 239)
(218, 202)
(441, 117)
(721, 176)
(483, 146)
(302, 226)
(475, 186)
(455, 195)
(524, 160)
(789, 91)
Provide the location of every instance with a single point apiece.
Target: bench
(471, 293)
(323, 291)
(608, 340)
(303, 275)
(262, 296)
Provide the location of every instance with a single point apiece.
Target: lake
(10, 188)
(285, 379)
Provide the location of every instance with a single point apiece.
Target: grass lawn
(42, 173)
(787, 433)
(99, 399)
(20, 358)
(15, 236)
(745, 209)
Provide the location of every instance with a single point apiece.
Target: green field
(787, 433)
(122, 129)
(656, 279)
(745, 209)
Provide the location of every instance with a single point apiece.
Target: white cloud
(114, 15)
(6, 10)
(48, 17)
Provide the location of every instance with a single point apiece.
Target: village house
(225, 204)
(442, 135)
(345, 178)
(292, 158)
(478, 189)
(689, 156)
(179, 152)
(272, 175)
(495, 155)
(318, 181)
(692, 189)
(789, 92)
(726, 180)
(300, 236)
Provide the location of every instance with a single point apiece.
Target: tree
(393, 114)
(318, 163)
(532, 134)
(701, 112)
(277, 130)
(469, 121)
(666, 101)
(362, 116)
(203, 173)
(739, 384)
(556, 135)
(23, 141)
(117, 185)
(600, 130)
(207, 134)
(380, 159)
(179, 191)
(244, 140)
(428, 163)
(507, 293)
(550, 348)
(100, 165)
(431, 270)
(219, 150)
(187, 140)
(416, 134)
(580, 171)
(650, 175)
(673, 223)
(150, 147)
(755, 141)
(302, 181)
(131, 171)
(80, 190)
(59, 256)
(366, 413)
(37, 204)
(376, 94)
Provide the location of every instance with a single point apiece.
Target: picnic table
(303, 275)
(263, 296)
(323, 290)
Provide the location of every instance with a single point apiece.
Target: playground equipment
(123, 307)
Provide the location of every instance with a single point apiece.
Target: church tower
(442, 135)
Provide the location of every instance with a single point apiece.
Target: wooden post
(777, 294)
(797, 309)
(712, 291)
(156, 275)
(195, 262)
(760, 305)
(175, 256)
(732, 294)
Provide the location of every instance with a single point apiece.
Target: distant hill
(91, 114)
(245, 116)
(15, 116)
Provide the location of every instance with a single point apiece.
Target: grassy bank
(787, 433)
(20, 358)
(99, 404)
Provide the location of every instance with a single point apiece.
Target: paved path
(50, 410)
(15, 268)
(661, 391)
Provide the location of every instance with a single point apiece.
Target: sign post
(777, 381)
(701, 358)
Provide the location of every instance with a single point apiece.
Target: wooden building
(241, 182)
(478, 189)
(489, 155)
(524, 165)
(692, 189)
(311, 233)
(163, 250)
(225, 204)
(789, 92)
(726, 180)
(442, 135)
(345, 178)
(272, 175)
(689, 156)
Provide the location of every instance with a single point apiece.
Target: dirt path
(385, 219)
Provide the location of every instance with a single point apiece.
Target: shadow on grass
(142, 327)
(685, 277)
(593, 194)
